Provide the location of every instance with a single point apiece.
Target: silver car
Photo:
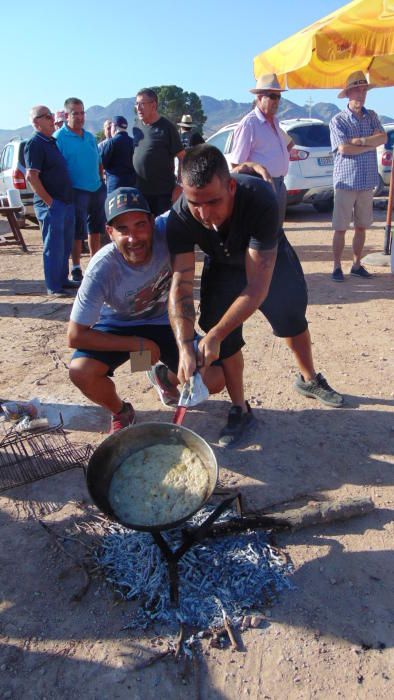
(309, 178)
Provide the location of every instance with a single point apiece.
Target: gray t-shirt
(118, 294)
(155, 147)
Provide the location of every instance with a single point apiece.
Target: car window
(220, 140)
(312, 135)
(7, 157)
(22, 154)
(390, 139)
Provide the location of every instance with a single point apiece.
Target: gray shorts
(356, 204)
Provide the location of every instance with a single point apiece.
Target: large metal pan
(117, 447)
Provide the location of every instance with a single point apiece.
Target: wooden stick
(179, 641)
(229, 629)
(321, 512)
(152, 660)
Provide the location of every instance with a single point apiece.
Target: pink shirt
(257, 141)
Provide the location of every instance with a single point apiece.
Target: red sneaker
(122, 419)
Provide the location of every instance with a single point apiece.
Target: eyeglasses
(48, 115)
(78, 114)
(142, 104)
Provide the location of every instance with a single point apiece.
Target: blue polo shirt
(82, 158)
(43, 155)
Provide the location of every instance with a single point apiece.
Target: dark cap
(120, 121)
(125, 199)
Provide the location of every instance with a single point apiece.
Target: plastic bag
(193, 392)
(15, 410)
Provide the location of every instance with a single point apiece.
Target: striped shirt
(354, 172)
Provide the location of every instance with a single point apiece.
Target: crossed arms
(356, 146)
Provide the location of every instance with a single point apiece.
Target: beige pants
(358, 203)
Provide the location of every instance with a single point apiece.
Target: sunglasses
(271, 95)
(48, 115)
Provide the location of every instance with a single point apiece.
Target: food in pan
(158, 485)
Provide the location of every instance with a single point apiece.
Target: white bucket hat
(186, 121)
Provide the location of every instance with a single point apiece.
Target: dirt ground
(333, 635)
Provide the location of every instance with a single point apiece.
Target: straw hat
(267, 82)
(186, 121)
(354, 80)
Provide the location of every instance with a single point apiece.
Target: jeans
(57, 228)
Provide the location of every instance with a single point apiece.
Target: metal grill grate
(25, 458)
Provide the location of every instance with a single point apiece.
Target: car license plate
(325, 160)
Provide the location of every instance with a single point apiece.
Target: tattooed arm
(259, 268)
(182, 314)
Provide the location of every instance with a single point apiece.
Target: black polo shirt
(253, 224)
(43, 155)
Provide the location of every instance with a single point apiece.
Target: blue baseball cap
(125, 199)
(120, 121)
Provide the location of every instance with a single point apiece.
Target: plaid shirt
(358, 172)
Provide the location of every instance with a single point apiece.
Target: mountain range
(218, 113)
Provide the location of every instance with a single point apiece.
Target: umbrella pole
(387, 230)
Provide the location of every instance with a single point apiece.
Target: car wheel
(379, 189)
(324, 205)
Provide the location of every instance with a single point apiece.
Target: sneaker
(76, 274)
(237, 425)
(337, 275)
(360, 272)
(122, 419)
(318, 389)
(72, 284)
(61, 294)
(158, 377)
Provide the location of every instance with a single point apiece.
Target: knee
(215, 380)
(82, 375)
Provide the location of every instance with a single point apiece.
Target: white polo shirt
(257, 141)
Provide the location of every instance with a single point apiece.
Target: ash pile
(229, 576)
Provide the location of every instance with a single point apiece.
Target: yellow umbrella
(358, 36)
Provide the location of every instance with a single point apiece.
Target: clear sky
(101, 51)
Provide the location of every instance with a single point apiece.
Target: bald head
(42, 119)
(36, 111)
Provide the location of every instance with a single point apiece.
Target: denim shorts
(284, 307)
(161, 335)
(89, 212)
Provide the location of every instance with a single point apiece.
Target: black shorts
(161, 335)
(284, 307)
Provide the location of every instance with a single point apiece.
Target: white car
(311, 163)
(385, 159)
(12, 176)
